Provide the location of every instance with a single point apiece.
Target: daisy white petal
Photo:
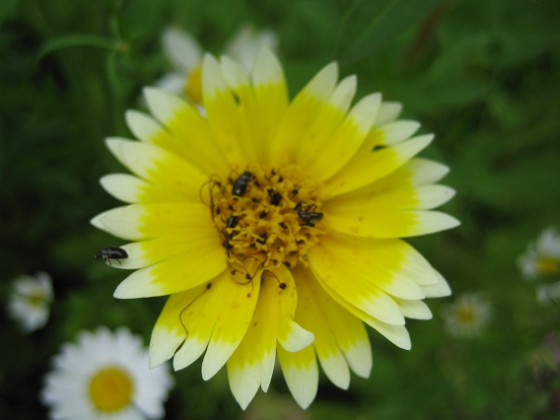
(105, 375)
(29, 301)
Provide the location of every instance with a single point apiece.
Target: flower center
(111, 389)
(547, 265)
(266, 217)
(193, 85)
(37, 297)
(466, 314)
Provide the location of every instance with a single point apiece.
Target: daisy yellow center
(547, 265)
(193, 85)
(37, 297)
(465, 314)
(266, 217)
(111, 389)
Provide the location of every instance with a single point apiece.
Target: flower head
(275, 225)
(467, 316)
(185, 54)
(542, 257)
(541, 260)
(30, 301)
(105, 375)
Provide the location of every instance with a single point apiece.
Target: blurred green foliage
(482, 75)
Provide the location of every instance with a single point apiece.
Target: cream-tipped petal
(200, 262)
(366, 168)
(297, 338)
(268, 69)
(344, 92)
(181, 48)
(347, 138)
(163, 345)
(439, 289)
(396, 334)
(124, 187)
(398, 131)
(212, 80)
(427, 171)
(336, 368)
(235, 315)
(141, 283)
(388, 111)
(415, 309)
(244, 383)
(322, 85)
(432, 196)
(301, 374)
(143, 126)
(123, 222)
(387, 224)
(233, 74)
(163, 105)
(360, 358)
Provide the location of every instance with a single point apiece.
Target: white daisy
(30, 300)
(186, 56)
(543, 256)
(467, 316)
(105, 375)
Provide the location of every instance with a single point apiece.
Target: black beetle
(239, 187)
(111, 253)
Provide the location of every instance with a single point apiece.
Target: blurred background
(482, 75)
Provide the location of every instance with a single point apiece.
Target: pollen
(266, 218)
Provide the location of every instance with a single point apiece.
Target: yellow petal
(196, 318)
(301, 115)
(182, 130)
(415, 173)
(252, 363)
(159, 167)
(199, 263)
(169, 332)
(347, 138)
(370, 264)
(330, 115)
(271, 97)
(146, 221)
(235, 312)
(222, 113)
(386, 223)
(348, 331)
(367, 167)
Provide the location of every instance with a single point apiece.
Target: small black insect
(111, 253)
(232, 222)
(275, 199)
(309, 217)
(239, 187)
(262, 239)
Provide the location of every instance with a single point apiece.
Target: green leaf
(80, 40)
(387, 20)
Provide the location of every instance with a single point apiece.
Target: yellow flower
(275, 225)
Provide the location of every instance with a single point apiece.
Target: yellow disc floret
(266, 217)
(111, 389)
